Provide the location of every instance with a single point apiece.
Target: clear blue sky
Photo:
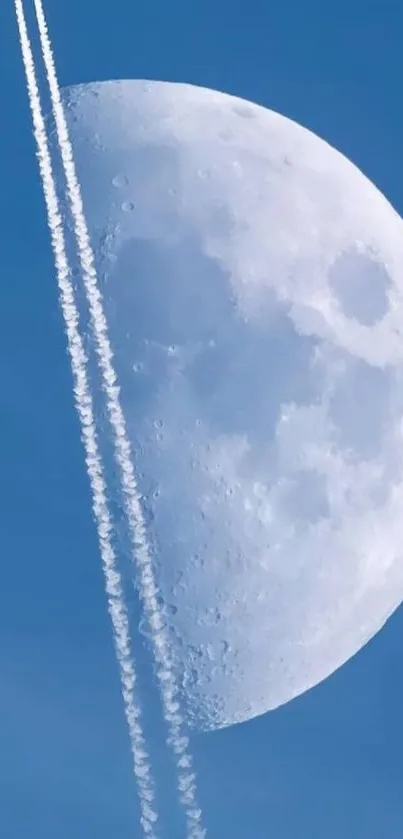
(329, 764)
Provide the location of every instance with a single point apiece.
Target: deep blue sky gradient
(329, 764)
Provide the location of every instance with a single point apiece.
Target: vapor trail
(132, 500)
(84, 405)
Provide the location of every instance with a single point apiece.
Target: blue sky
(329, 763)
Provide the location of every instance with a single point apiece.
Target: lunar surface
(252, 279)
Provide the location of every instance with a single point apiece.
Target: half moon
(252, 283)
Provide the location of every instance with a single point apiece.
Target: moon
(252, 281)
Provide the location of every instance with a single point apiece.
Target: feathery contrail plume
(132, 500)
(83, 400)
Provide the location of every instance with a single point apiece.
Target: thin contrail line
(84, 405)
(147, 585)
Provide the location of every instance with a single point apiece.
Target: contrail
(84, 405)
(132, 500)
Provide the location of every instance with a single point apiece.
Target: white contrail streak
(132, 499)
(83, 400)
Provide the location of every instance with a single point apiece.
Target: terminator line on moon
(252, 283)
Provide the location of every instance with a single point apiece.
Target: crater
(360, 282)
(120, 181)
(243, 111)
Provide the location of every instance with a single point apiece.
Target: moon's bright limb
(252, 281)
